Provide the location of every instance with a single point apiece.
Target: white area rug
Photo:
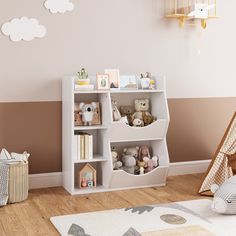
(189, 218)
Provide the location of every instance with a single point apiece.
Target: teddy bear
(133, 151)
(141, 109)
(87, 112)
(115, 112)
(143, 152)
(147, 120)
(129, 164)
(141, 167)
(117, 164)
(115, 160)
(127, 111)
(138, 123)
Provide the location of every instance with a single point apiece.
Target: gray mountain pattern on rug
(140, 209)
(132, 232)
(76, 230)
(176, 206)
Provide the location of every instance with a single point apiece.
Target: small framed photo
(103, 82)
(128, 82)
(114, 78)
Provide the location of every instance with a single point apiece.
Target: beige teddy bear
(142, 111)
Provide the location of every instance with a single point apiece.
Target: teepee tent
(223, 164)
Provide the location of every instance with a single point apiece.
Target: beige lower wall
(196, 128)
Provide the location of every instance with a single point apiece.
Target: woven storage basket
(18, 184)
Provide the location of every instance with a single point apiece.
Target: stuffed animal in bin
(224, 201)
(87, 112)
(151, 164)
(127, 111)
(142, 107)
(115, 111)
(138, 123)
(133, 151)
(144, 152)
(115, 160)
(129, 164)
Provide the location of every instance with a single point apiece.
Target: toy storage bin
(18, 184)
(158, 108)
(156, 177)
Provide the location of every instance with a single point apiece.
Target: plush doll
(151, 163)
(115, 112)
(142, 166)
(87, 112)
(133, 151)
(129, 164)
(141, 110)
(115, 160)
(138, 123)
(147, 120)
(143, 152)
(224, 201)
(127, 111)
(124, 120)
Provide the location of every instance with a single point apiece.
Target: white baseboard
(47, 180)
(188, 167)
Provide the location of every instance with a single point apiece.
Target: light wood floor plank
(31, 217)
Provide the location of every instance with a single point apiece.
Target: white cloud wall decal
(23, 29)
(60, 6)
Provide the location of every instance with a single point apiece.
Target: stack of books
(83, 147)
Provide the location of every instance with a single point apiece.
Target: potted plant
(83, 77)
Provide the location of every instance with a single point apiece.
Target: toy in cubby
(87, 177)
(137, 116)
(117, 164)
(135, 160)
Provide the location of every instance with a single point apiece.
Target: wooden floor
(31, 217)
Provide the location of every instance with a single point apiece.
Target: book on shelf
(84, 146)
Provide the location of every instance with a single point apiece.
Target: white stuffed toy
(124, 120)
(138, 122)
(115, 111)
(87, 112)
(224, 201)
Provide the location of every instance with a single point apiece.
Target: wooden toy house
(87, 177)
(191, 11)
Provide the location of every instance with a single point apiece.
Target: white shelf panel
(120, 91)
(92, 127)
(90, 91)
(99, 188)
(96, 158)
(155, 177)
(155, 131)
(137, 91)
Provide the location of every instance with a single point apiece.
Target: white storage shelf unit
(111, 133)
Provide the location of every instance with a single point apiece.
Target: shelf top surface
(120, 91)
(92, 127)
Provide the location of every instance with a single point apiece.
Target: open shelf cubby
(109, 133)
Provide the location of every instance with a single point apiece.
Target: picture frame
(114, 78)
(78, 119)
(128, 82)
(103, 81)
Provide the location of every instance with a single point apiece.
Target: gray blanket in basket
(4, 172)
